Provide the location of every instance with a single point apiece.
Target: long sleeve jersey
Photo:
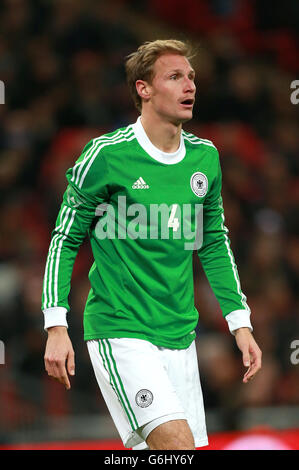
(145, 212)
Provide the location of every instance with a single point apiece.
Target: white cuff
(238, 319)
(55, 316)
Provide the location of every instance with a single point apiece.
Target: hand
(252, 355)
(59, 353)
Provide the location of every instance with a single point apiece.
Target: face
(172, 91)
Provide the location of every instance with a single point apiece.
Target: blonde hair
(140, 64)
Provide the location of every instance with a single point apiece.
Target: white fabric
(171, 375)
(168, 158)
(55, 316)
(238, 319)
(145, 430)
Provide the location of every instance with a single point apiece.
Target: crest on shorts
(199, 184)
(144, 398)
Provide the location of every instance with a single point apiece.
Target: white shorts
(145, 385)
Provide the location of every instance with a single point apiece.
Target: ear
(143, 89)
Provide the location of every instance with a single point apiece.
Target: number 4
(173, 222)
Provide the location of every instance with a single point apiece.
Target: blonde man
(140, 318)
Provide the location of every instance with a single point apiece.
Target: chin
(186, 117)
(180, 119)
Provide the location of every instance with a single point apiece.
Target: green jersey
(145, 212)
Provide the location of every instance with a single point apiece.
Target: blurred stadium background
(61, 62)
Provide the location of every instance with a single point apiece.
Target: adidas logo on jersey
(140, 184)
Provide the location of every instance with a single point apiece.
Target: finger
(62, 375)
(71, 363)
(246, 358)
(49, 366)
(256, 360)
(56, 370)
(251, 372)
(248, 376)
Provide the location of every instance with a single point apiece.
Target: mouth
(187, 103)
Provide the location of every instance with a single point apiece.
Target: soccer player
(141, 193)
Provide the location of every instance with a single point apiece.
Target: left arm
(220, 268)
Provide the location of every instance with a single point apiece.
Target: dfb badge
(144, 398)
(199, 184)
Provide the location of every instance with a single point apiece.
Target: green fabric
(141, 287)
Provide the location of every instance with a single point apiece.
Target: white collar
(154, 152)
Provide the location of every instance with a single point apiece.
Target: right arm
(85, 191)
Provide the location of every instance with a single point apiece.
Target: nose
(189, 85)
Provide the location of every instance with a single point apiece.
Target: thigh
(172, 435)
(134, 384)
(184, 375)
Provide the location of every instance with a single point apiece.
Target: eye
(173, 77)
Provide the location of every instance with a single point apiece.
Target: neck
(163, 134)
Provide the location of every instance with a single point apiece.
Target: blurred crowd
(62, 63)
